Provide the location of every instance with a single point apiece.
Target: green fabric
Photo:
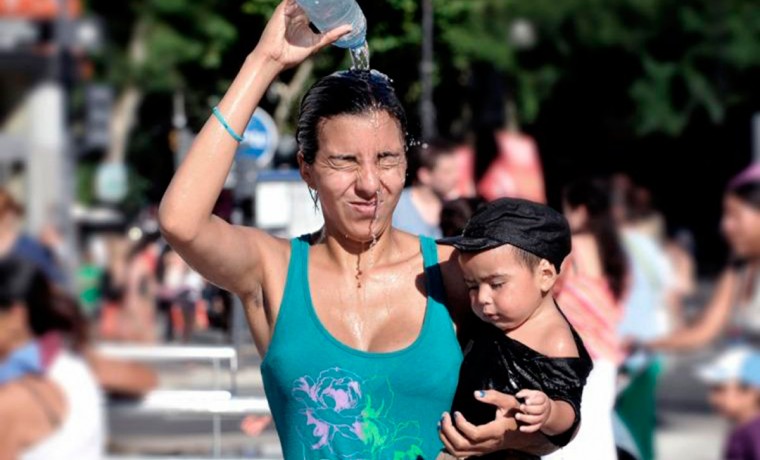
(637, 408)
(88, 285)
(332, 401)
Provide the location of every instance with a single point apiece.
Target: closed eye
(342, 161)
(388, 159)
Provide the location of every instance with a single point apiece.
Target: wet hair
(48, 310)
(595, 195)
(353, 92)
(427, 154)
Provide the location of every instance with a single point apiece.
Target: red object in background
(37, 9)
(516, 172)
(466, 185)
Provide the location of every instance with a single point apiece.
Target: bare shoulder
(274, 253)
(29, 421)
(556, 339)
(264, 242)
(453, 280)
(12, 397)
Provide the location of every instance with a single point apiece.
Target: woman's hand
(463, 439)
(288, 40)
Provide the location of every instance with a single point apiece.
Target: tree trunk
(128, 102)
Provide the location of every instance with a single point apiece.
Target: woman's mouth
(365, 208)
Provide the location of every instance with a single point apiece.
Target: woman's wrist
(264, 63)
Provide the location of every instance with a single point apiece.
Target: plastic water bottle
(326, 15)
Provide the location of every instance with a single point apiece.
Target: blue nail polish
(481, 394)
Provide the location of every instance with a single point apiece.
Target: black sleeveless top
(493, 361)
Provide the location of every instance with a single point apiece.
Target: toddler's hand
(534, 411)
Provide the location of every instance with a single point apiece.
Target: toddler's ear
(547, 275)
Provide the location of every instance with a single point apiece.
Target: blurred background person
(14, 241)
(593, 280)
(48, 394)
(734, 309)
(647, 308)
(434, 169)
(138, 321)
(181, 289)
(456, 213)
(734, 381)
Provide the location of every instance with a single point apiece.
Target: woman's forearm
(190, 198)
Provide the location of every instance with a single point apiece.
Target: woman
(593, 280)
(365, 366)
(50, 402)
(735, 305)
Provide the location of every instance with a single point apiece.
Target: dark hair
(595, 196)
(48, 310)
(352, 92)
(527, 259)
(456, 213)
(748, 192)
(426, 155)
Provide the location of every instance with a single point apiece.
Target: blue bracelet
(229, 129)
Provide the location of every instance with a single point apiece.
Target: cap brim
(712, 375)
(465, 244)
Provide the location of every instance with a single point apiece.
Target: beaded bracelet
(224, 123)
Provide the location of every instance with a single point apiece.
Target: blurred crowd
(623, 288)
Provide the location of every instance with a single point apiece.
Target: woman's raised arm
(227, 255)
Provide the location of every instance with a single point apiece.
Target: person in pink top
(591, 287)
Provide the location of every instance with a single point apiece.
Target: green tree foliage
(671, 60)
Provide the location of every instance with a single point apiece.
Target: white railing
(216, 403)
(176, 353)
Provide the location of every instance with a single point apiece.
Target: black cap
(530, 226)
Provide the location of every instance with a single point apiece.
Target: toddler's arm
(539, 413)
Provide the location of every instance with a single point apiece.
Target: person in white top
(51, 405)
(734, 310)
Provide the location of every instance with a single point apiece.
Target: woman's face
(359, 173)
(741, 226)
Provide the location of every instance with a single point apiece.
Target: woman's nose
(367, 182)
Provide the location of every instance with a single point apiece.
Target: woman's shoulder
(29, 403)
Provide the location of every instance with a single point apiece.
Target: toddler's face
(504, 291)
(732, 399)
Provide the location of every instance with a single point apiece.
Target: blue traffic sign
(260, 138)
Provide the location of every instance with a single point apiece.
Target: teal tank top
(329, 400)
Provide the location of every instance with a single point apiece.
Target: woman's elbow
(174, 226)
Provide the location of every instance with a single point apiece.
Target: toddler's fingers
(530, 428)
(532, 410)
(528, 419)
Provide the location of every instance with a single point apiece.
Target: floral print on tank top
(339, 418)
